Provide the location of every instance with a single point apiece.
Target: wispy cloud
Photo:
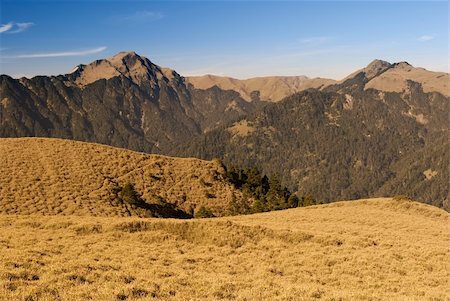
(58, 54)
(5, 27)
(425, 38)
(143, 15)
(13, 27)
(21, 27)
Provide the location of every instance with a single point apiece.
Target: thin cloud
(14, 27)
(425, 38)
(21, 27)
(5, 27)
(58, 54)
(143, 15)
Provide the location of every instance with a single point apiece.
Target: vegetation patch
(268, 193)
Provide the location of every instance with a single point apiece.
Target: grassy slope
(376, 249)
(55, 176)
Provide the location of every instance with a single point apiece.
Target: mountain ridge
(381, 75)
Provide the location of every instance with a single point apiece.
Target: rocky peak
(375, 68)
(129, 64)
(405, 66)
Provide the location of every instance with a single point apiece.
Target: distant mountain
(380, 75)
(383, 130)
(387, 77)
(124, 101)
(269, 88)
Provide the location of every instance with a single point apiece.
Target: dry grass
(363, 250)
(395, 80)
(378, 249)
(55, 176)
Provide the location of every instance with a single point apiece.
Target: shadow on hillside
(165, 210)
(130, 199)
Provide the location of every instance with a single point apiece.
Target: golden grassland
(56, 176)
(378, 249)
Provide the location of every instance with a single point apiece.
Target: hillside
(378, 249)
(344, 144)
(54, 176)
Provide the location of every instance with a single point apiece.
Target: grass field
(65, 177)
(379, 249)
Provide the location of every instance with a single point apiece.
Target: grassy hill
(378, 249)
(54, 176)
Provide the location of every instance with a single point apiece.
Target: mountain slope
(386, 77)
(396, 76)
(343, 144)
(124, 101)
(360, 250)
(53, 176)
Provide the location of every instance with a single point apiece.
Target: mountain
(124, 101)
(54, 176)
(377, 249)
(380, 75)
(387, 77)
(269, 88)
(345, 141)
(383, 130)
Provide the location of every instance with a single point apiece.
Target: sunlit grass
(362, 250)
(65, 177)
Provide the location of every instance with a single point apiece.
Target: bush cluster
(268, 193)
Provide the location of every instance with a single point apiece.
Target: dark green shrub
(129, 195)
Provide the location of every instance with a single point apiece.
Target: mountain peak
(125, 56)
(375, 68)
(131, 62)
(127, 53)
(126, 63)
(403, 66)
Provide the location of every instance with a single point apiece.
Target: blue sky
(234, 38)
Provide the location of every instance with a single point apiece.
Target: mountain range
(383, 130)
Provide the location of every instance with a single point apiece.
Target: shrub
(129, 195)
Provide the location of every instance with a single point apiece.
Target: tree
(128, 194)
(293, 201)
